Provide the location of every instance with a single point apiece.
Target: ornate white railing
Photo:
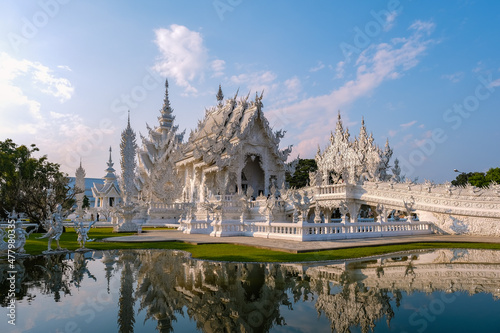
(166, 206)
(196, 227)
(226, 197)
(332, 189)
(320, 231)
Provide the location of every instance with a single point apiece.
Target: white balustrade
(320, 231)
(332, 189)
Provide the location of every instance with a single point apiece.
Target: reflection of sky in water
(439, 291)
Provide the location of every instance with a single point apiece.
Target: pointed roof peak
(166, 119)
(110, 172)
(110, 161)
(220, 95)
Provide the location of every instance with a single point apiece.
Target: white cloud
(58, 87)
(423, 26)
(478, 68)
(454, 78)
(256, 81)
(390, 20)
(66, 68)
(408, 125)
(19, 82)
(183, 55)
(340, 69)
(318, 67)
(292, 87)
(495, 83)
(13, 70)
(392, 133)
(67, 138)
(218, 67)
(376, 64)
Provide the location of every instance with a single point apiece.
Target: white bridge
(425, 208)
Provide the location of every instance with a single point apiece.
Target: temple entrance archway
(253, 175)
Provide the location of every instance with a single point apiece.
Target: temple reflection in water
(163, 287)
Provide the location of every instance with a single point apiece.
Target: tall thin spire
(110, 161)
(220, 95)
(128, 148)
(110, 172)
(166, 119)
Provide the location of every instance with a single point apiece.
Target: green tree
(462, 179)
(300, 177)
(493, 175)
(31, 185)
(478, 179)
(86, 202)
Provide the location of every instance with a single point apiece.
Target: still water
(154, 290)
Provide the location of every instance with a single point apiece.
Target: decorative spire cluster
(128, 148)
(166, 119)
(353, 161)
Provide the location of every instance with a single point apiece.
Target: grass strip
(239, 253)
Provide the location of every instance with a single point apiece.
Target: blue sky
(424, 74)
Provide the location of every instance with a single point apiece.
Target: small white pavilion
(107, 195)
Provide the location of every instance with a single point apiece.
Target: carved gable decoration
(355, 161)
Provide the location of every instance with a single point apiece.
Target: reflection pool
(445, 290)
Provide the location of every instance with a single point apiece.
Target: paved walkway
(295, 247)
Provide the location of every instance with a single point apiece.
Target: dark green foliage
(478, 179)
(86, 202)
(493, 175)
(462, 179)
(29, 184)
(300, 177)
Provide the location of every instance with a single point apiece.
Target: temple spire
(339, 130)
(220, 96)
(166, 119)
(128, 148)
(110, 172)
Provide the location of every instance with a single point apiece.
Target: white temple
(228, 179)
(107, 195)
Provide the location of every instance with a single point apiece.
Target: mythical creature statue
(21, 236)
(301, 204)
(55, 229)
(409, 208)
(82, 232)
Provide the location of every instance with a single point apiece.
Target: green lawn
(230, 252)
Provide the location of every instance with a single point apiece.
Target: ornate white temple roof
(110, 186)
(226, 126)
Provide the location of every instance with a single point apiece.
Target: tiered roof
(225, 126)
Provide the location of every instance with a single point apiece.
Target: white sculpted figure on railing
(343, 209)
(54, 228)
(409, 208)
(270, 205)
(301, 204)
(245, 203)
(210, 207)
(83, 233)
